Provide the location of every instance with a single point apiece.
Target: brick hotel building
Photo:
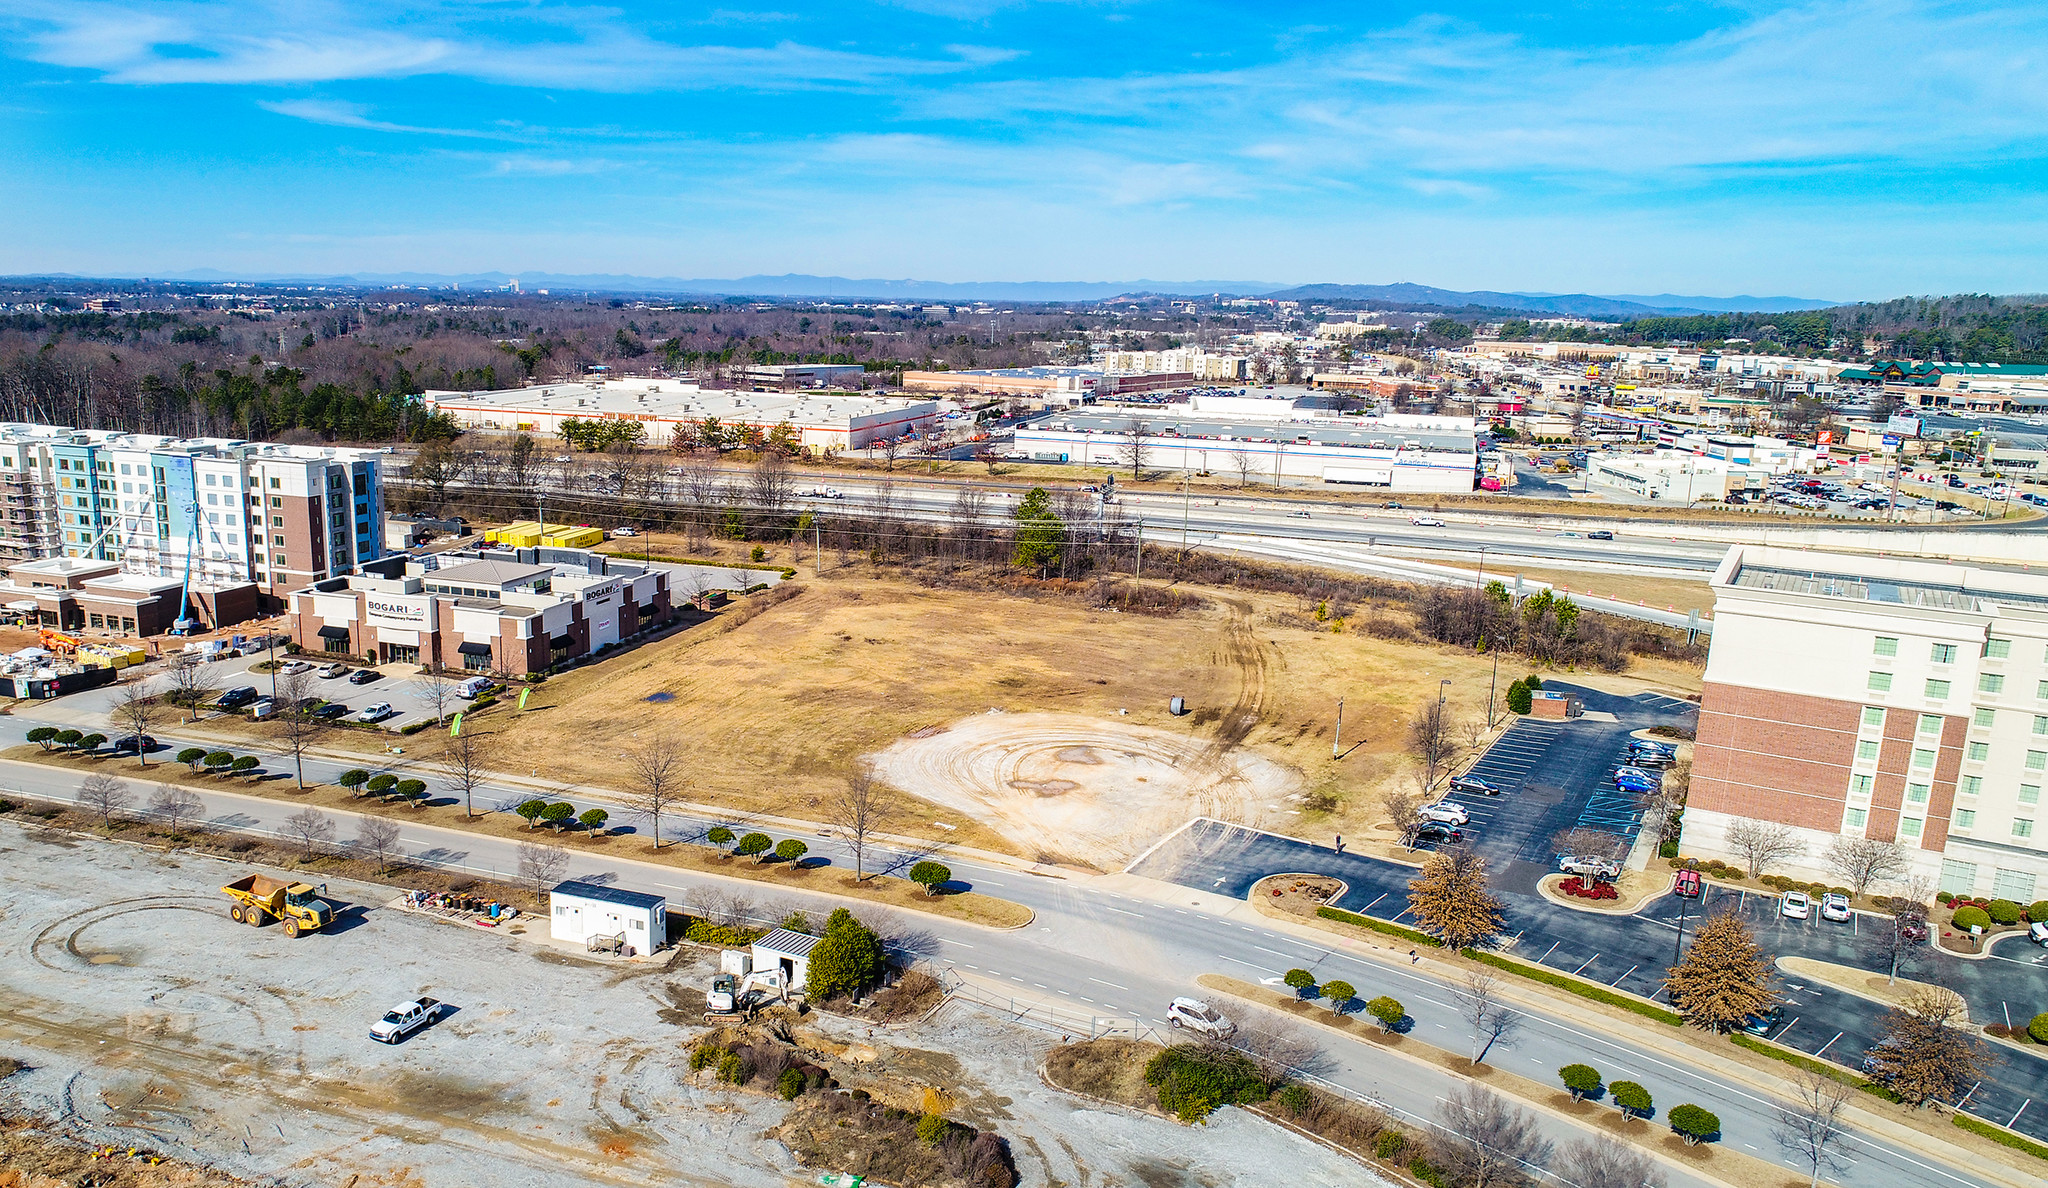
(1883, 697)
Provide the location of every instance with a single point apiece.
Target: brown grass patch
(1111, 1069)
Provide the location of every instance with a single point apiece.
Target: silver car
(1199, 1017)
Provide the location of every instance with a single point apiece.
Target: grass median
(446, 812)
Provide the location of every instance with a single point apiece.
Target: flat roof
(603, 894)
(674, 400)
(489, 573)
(1895, 581)
(1359, 434)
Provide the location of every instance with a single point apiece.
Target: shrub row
(1583, 989)
(1377, 925)
(2001, 1136)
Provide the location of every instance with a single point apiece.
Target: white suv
(1199, 1017)
(1449, 812)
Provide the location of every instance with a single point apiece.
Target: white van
(472, 688)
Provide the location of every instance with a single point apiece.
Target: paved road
(1120, 947)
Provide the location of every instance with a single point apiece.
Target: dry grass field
(775, 713)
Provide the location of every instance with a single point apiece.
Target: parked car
(1765, 1022)
(133, 744)
(625, 532)
(333, 670)
(2038, 933)
(293, 668)
(1199, 1017)
(1636, 783)
(1603, 869)
(1449, 812)
(473, 688)
(236, 697)
(1795, 905)
(363, 676)
(331, 710)
(375, 713)
(404, 1019)
(1426, 522)
(1475, 785)
(1438, 832)
(1834, 906)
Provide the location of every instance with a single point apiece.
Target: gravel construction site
(145, 1016)
(1102, 787)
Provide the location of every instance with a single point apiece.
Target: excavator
(737, 993)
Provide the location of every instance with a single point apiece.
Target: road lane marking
(1111, 985)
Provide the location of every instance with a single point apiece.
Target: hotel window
(2022, 827)
(1854, 818)
(1958, 878)
(1937, 690)
(1990, 682)
(1917, 793)
(1873, 716)
(1971, 785)
(277, 541)
(1942, 653)
(1931, 723)
(2041, 723)
(1880, 682)
(1859, 785)
(2030, 794)
(1910, 827)
(1997, 649)
(2037, 760)
(1966, 819)
(1922, 758)
(1979, 752)
(1867, 749)
(277, 521)
(1886, 645)
(1984, 718)
(277, 559)
(2041, 690)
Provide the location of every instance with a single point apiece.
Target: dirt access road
(147, 1017)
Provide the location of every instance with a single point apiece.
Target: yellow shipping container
(523, 534)
(564, 536)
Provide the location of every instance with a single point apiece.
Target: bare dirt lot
(776, 712)
(146, 1017)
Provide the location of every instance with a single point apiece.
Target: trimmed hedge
(2000, 1135)
(2005, 912)
(1972, 917)
(1583, 989)
(1795, 1059)
(1377, 925)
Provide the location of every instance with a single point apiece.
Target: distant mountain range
(1586, 305)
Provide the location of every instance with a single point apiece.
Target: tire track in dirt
(1242, 649)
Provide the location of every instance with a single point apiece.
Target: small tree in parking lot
(753, 845)
(1452, 901)
(1724, 978)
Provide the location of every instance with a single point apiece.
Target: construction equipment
(57, 641)
(738, 990)
(258, 898)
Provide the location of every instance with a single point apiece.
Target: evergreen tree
(846, 961)
(1724, 979)
(1041, 535)
(1451, 900)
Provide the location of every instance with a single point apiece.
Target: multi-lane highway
(1120, 947)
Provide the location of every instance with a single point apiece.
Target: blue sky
(1830, 149)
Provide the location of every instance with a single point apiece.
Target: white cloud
(355, 115)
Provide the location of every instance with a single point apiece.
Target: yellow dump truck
(258, 898)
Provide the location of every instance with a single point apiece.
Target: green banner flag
(455, 727)
(523, 695)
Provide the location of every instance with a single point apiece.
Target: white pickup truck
(404, 1019)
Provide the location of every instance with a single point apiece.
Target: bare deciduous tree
(1762, 843)
(1404, 813)
(1493, 1022)
(311, 828)
(137, 711)
(377, 837)
(1487, 1143)
(1601, 1162)
(1898, 941)
(171, 804)
(1241, 460)
(466, 765)
(296, 726)
(1861, 861)
(1587, 843)
(541, 867)
(1429, 737)
(657, 770)
(1132, 448)
(103, 796)
(1811, 1127)
(433, 691)
(858, 812)
(770, 483)
(191, 682)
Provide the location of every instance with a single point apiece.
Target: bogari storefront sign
(389, 610)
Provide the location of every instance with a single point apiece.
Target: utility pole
(818, 547)
(1185, 496)
(1337, 741)
(1138, 552)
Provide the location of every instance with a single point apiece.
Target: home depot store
(502, 611)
